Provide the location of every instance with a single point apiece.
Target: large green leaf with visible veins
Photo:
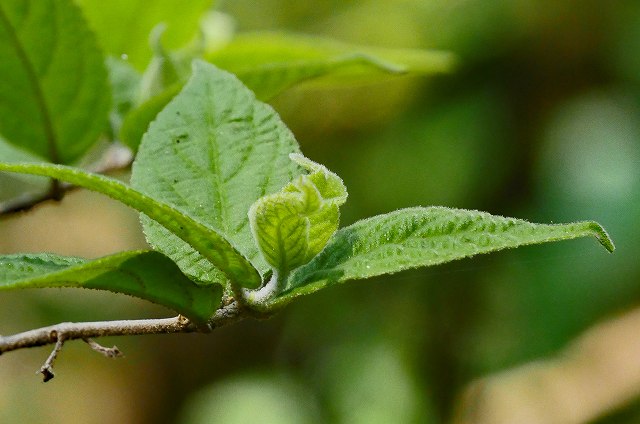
(54, 95)
(211, 153)
(417, 237)
(145, 274)
(201, 238)
(269, 63)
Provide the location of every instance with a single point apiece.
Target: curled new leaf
(293, 225)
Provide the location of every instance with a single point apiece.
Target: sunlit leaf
(417, 237)
(211, 153)
(293, 225)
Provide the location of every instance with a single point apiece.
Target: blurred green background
(540, 121)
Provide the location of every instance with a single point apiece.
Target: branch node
(109, 352)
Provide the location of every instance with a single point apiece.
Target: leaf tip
(601, 235)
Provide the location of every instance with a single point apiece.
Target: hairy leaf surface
(416, 237)
(211, 153)
(293, 225)
(145, 274)
(206, 241)
(54, 94)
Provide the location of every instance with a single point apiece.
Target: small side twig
(109, 352)
(47, 368)
(63, 332)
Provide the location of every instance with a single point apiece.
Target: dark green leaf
(54, 95)
(145, 274)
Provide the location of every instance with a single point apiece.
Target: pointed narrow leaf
(417, 237)
(145, 274)
(209, 243)
(211, 153)
(54, 94)
(269, 63)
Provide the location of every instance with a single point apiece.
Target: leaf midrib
(214, 161)
(33, 80)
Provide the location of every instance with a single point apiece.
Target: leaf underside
(418, 237)
(54, 94)
(145, 274)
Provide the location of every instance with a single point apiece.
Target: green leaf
(54, 95)
(165, 69)
(125, 83)
(137, 121)
(269, 63)
(211, 153)
(145, 274)
(209, 243)
(17, 188)
(123, 26)
(293, 225)
(417, 237)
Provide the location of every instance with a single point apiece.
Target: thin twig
(109, 352)
(47, 368)
(60, 333)
(87, 330)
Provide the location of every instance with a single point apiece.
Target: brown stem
(63, 332)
